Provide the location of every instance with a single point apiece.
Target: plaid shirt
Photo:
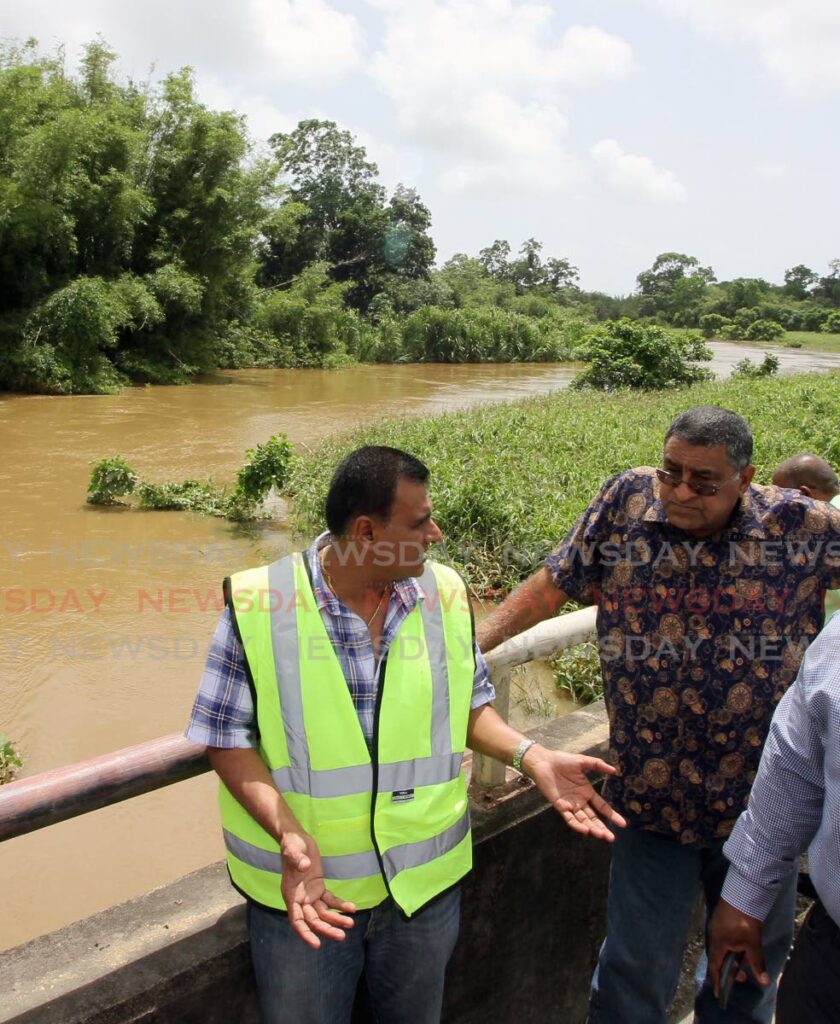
(223, 712)
(795, 802)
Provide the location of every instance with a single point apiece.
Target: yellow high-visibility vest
(391, 821)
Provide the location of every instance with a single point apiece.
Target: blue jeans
(403, 961)
(654, 882)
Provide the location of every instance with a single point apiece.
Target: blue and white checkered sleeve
(223, 712)
(785, 807)
(483, 691)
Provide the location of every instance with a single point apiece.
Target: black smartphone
(728, 974)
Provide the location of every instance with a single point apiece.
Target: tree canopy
(142, 239)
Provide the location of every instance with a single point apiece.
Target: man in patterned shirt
(281, 758)
(709, 589)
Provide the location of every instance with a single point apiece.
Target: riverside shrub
(629, 354)
(480, 335)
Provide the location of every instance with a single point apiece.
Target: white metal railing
(540, 642)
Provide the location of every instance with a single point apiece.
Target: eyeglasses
(704, 488)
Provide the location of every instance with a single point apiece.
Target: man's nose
(687, 491)
(434, 534)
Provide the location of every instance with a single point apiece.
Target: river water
(107, 613)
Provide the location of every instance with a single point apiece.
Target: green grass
(509, 480)
(813, 340)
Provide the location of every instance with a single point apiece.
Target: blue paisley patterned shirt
(699, 639)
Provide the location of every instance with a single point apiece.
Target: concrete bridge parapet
(533, 918)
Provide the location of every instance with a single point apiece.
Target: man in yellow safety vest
(341, 690)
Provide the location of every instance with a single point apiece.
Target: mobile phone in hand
(728, 974)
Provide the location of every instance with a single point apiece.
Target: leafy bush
(746, 368)
(831, 324)
(188, 495)
(266, 466)
(10, 760)
(110, 480)
(578, 672)
(764, 330)
(310, 321)
(628, 354)
(713, 325)
(480, 335)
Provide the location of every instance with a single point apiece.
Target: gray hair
(708, 426)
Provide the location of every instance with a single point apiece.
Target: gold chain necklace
(322, 555)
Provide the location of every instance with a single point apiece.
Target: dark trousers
(809, 992)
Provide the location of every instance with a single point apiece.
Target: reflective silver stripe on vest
(286, 647)
(299, 777)
(412, 855)
(344, 867)
(432, 614)
(358, 778)
(422, 771)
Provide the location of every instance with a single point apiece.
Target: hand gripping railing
(45, 799)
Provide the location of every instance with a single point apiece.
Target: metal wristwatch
(521, 750)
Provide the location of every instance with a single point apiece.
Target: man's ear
(747, 473)
(362, 528)
(806, 491)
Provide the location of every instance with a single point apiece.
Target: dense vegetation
(10, 760)
(143, 237)
(509, 480)
(266, 467)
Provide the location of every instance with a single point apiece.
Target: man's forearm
(245, 774)
(488, 733)
(534, 600)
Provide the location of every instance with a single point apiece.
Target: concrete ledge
(533, 919)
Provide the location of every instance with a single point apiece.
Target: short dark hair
(709, 425)
(365, 483)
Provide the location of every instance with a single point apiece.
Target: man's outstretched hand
(314, 912)
(561, 778)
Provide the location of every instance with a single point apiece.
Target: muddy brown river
(105, 614)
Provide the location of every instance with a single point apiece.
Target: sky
(609, 130)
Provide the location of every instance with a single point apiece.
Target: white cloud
(263, 117)
(270, 41)
(307, 38)
(798, 42)
(483, 83)
(635, 175)
(505, 144)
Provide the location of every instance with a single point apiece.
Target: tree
(674, 287)
(799, 281)
(527, 272)
(128, 220)
(341, 216)
(829, 286)
(739, 294)
(495, 259)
